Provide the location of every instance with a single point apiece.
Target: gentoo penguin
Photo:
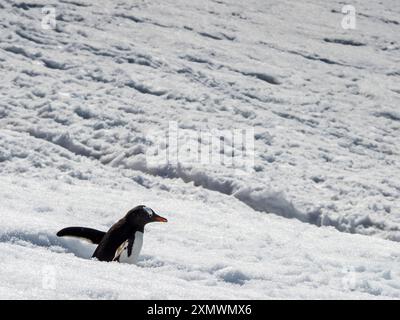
(123, 241)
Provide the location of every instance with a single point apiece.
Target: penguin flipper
(126, 245)
(119, 250)
(92, 235)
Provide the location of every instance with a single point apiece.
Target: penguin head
(142, 215)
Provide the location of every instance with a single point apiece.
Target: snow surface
(83, 105)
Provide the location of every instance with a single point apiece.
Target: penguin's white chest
(136, 247)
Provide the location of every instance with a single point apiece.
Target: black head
(141, 215)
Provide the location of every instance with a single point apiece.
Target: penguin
(123, 241)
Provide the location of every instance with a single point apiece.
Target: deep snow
(86, 107)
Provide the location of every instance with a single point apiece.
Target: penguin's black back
(112, 240)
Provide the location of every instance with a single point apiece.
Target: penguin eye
(149, 211)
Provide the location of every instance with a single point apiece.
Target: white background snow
(82, 105)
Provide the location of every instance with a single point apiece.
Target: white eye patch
(149, 211)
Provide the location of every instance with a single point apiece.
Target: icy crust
(105, 83)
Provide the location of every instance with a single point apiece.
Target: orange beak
(158, 218)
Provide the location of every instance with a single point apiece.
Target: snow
(86, 114)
